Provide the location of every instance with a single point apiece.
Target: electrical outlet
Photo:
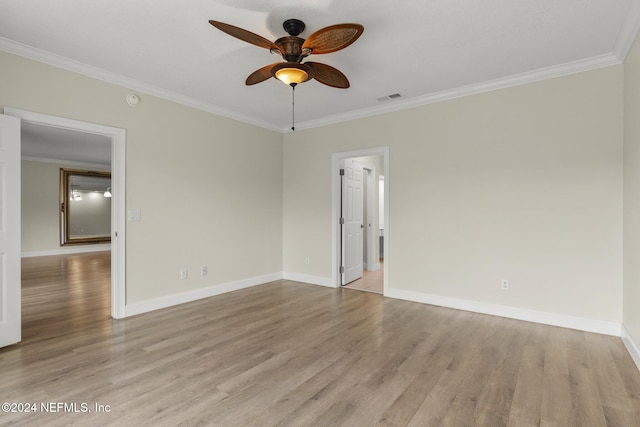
(205, 270)
(184, 273)
(505, 285)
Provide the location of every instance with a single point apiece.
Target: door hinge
(341, 221)
(341, 172)
(341, 269)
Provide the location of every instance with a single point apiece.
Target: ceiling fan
(294, 50)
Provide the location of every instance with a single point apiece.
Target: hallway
(61, 293)
(371, 281)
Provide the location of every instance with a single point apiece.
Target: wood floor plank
(292, 354)
(557, 401)
(527, 399)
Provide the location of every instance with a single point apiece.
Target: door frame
(372, 225)
(118, 144)
(10, 244)
(336, 197)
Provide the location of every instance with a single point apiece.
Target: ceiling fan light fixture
(291, 73)
(291, 76)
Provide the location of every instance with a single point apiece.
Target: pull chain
(293, 106)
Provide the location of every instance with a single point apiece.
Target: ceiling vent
(393, 96)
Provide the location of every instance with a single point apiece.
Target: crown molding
(574, 67)
(628, 32)
(58, 61)
(623, 45)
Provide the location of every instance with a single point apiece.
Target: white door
(352, 228)
(10, 320)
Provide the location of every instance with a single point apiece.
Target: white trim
(335, 210)
(67, 250)
(197, 294)
(312, 280)
(376, 267)
(117, 137)
(118, 223)
(48, 58)
(546, 318)
(10, 223)
(372, 220)
(579, 66)
(628, 32)
(632, 347)
(624, 43)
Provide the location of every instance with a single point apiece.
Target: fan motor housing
(291, 47)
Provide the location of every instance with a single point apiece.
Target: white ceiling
(50, 143)
(426, 50)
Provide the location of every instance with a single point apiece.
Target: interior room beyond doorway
(371, 166)
(371, 281)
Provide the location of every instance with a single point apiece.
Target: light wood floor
(371, 281)
(64, 292)
(287, 353)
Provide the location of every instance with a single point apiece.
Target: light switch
(134, 215)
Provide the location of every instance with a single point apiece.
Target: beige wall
(522, 184)
(632, 193)
(209, 188)
(40, 191)
(40, 223)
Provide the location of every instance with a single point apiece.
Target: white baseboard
(313, 280)
(554, 319)
(66, 250)
(374, 267)
(632, 347)
(196, 294)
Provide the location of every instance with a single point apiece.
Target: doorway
(117, 138)
(375, 162)
(372, 243)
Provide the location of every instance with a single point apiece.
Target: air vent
(391, 97)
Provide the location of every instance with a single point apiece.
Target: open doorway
(356, 197)
(372, 279)
(65, 230)
(360, 260)
(115, 138)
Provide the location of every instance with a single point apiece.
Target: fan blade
(333, 38)
(244, 35)
(260, 75)
(328, 75)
